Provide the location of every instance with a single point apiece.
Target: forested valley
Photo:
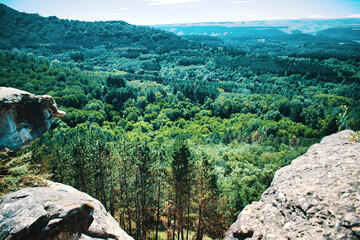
(175, 136)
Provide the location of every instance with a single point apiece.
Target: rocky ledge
(316, 197)
(24, 117)
(56, 212)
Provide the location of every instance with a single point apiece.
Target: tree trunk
(174, 214)
(102, 176)
(188, 215)
(198, 234)
(158, 210)
(129, 220)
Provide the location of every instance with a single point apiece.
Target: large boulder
(57, 211)
(24, 117)
(316, 197)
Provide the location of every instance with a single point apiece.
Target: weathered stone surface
(24, 117)
(43, 213)
(104, 225)
(56, 212)
(316, 197)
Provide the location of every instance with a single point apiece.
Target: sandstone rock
(24, 117)
(104, 225)
(316, 197)
(43, 213)
(56, 212)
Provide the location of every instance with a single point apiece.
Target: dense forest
(175, 136)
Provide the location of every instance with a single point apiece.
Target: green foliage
(109, 140)
(343, 118)
(170, 134)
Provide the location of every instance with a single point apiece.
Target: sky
(150, 12)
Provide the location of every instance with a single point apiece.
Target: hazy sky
(146, 12)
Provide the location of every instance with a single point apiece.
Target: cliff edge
(316, 197)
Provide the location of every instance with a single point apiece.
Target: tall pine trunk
(198, 233)
(158, 210)
(188, 216)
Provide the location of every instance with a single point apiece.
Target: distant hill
(349, 33)
(220, 31)
(119, 46)
(22, 30)
(264, 28)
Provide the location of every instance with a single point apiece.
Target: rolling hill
(251, 28)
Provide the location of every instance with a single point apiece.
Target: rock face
(316, 197)
(56, 212)
(24, 117)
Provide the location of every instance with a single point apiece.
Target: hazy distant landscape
(176, 128)
(306, 26)
(281, 32)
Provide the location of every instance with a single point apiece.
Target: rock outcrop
(316, 197)
(56, 212)
(24, 117)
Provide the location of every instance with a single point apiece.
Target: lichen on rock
(316, 197)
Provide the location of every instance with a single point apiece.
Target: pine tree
(181, 168)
